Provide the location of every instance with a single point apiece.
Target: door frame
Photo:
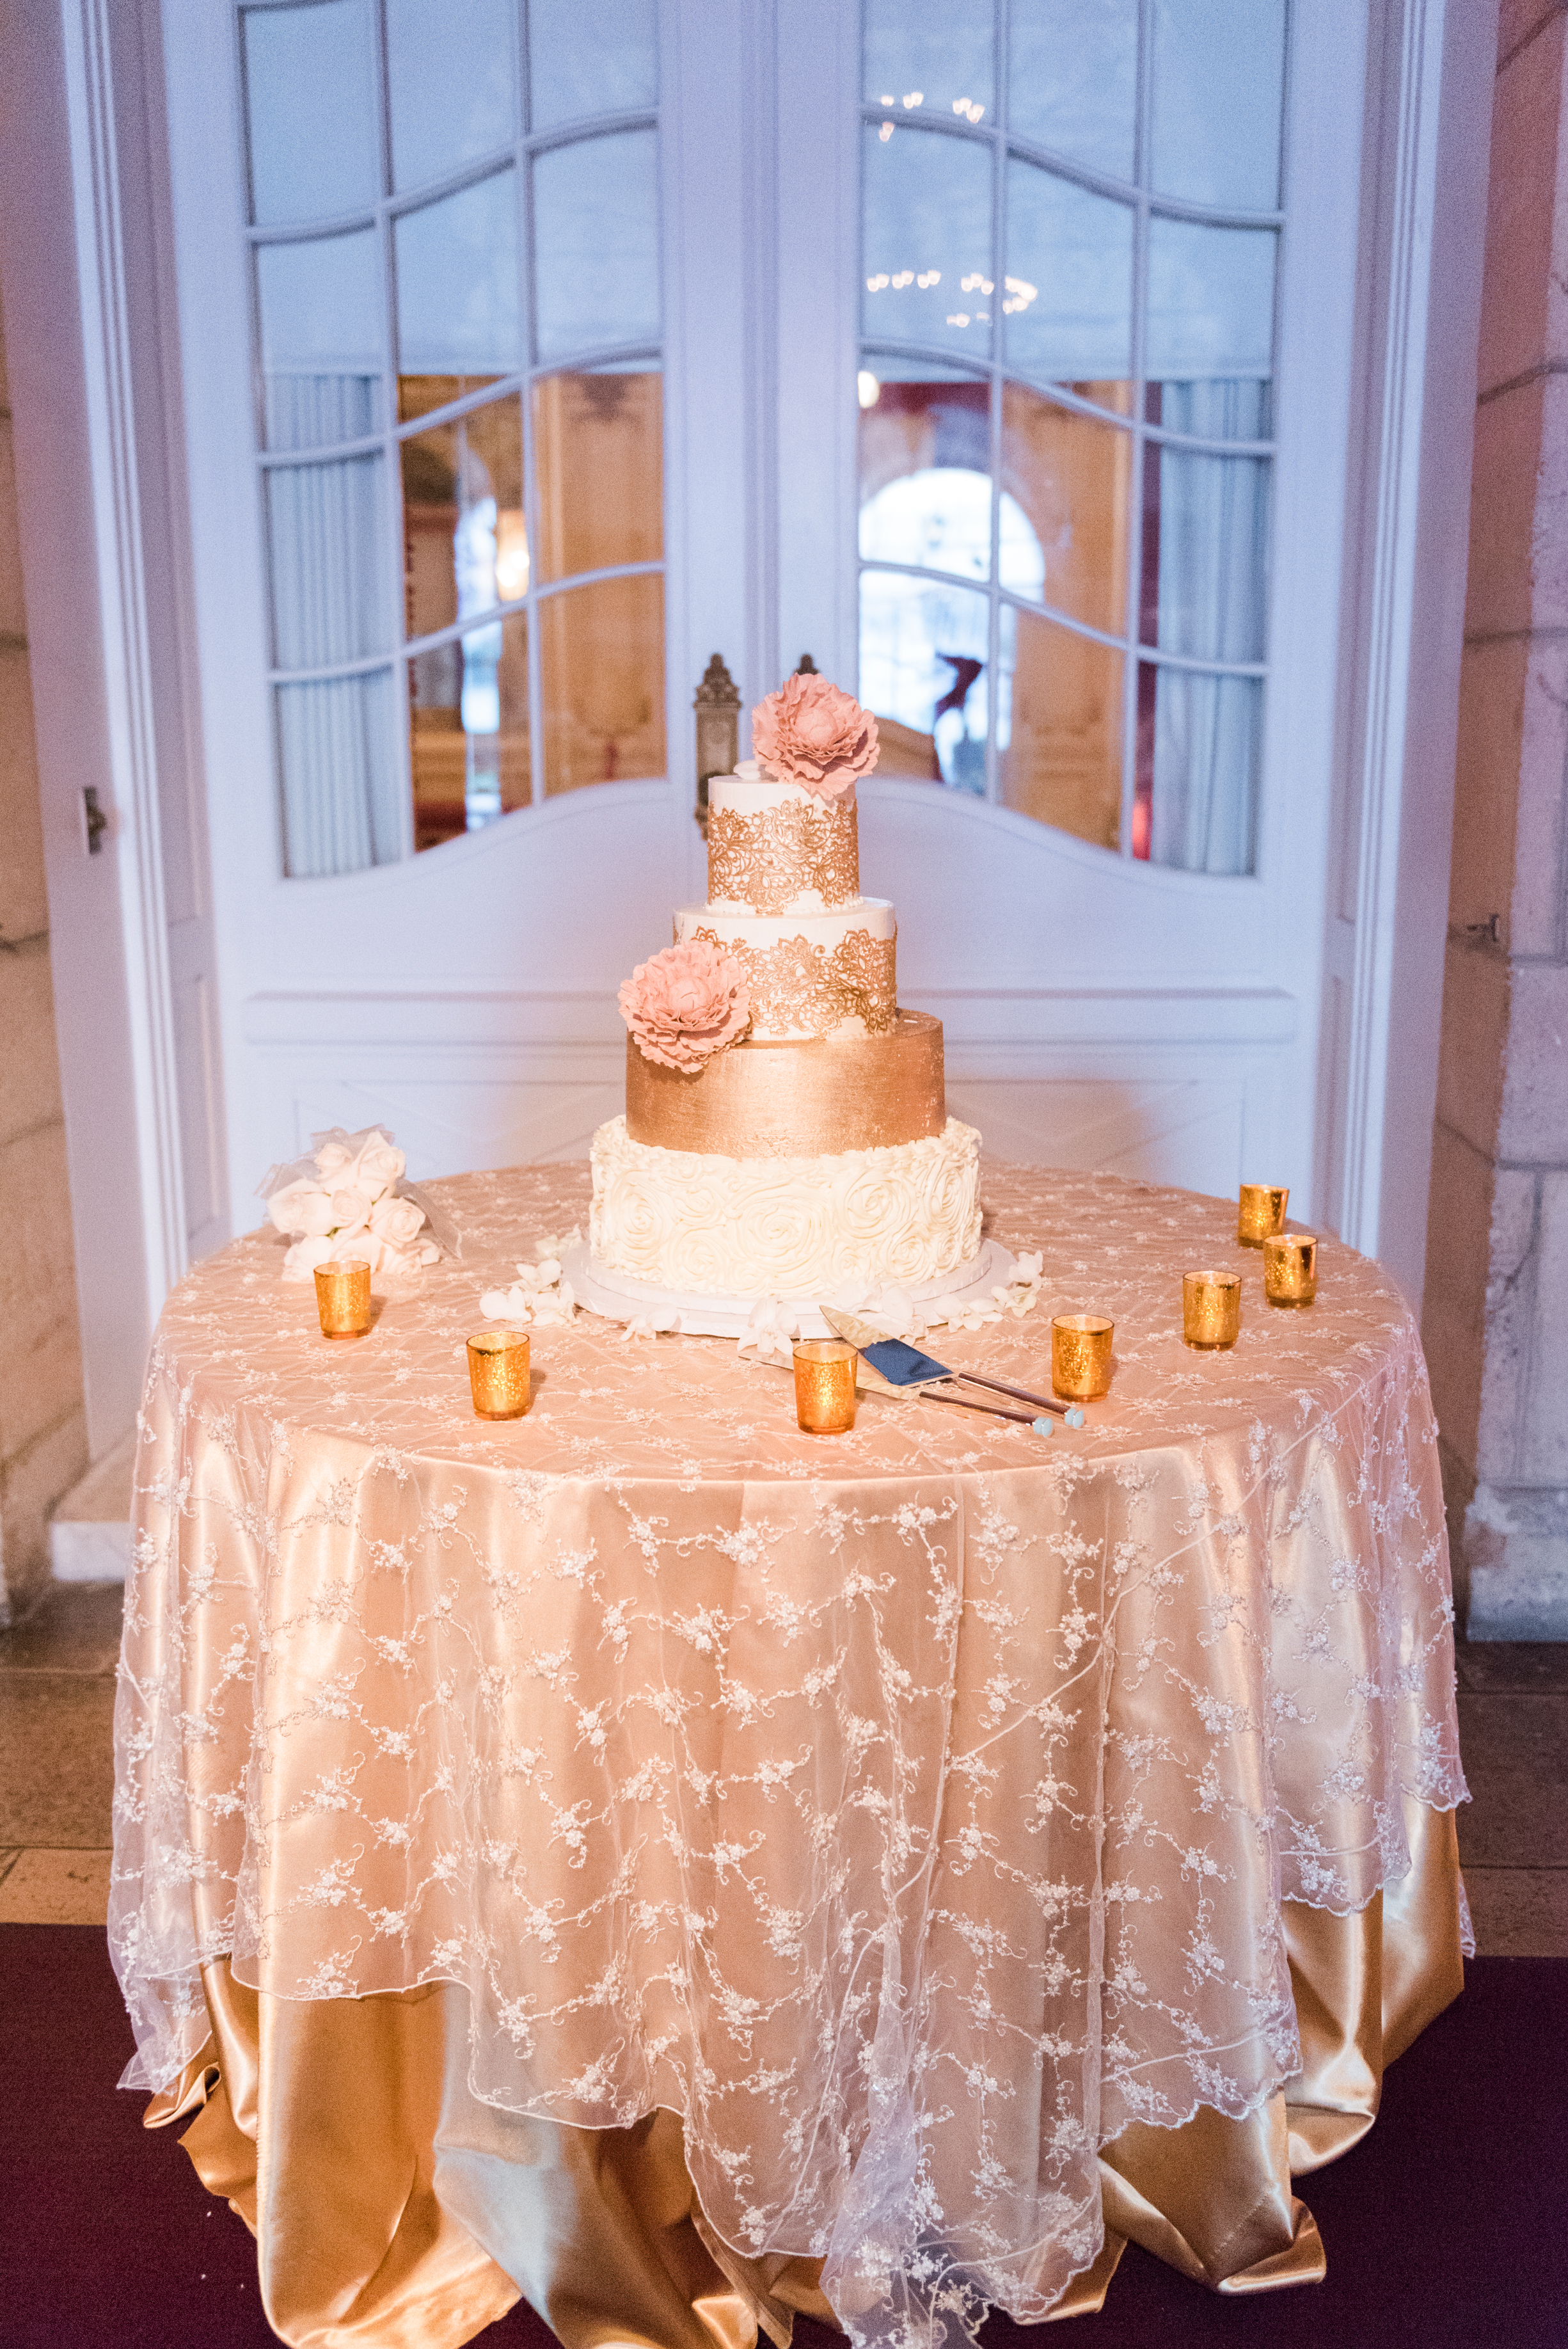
(88, 210)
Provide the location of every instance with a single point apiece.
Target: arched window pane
(1210, 300)
(468, 737)
(466, 544)
(927, 240)
(590, 57)
(1063, 762)
(1071, 479)
(596, 244)
(451, 77)
(457, 289)
(598, 455)
(1068, 296)
(310, 103)
(1217, 85)
(1073, 84)
(320, 303)
(603, 668)
(927, 57)
(924, 657)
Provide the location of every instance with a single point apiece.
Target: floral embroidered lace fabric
(908, 1810)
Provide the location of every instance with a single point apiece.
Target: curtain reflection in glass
(341, 776)
(1063, 762)
(451, 79)
(602, 653)
(328, 565)
(598, 457)
(923, 661)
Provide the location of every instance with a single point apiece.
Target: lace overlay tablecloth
(909, 1811)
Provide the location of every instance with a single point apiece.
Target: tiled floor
(57, 1719)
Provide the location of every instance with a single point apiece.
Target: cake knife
(905, 1366)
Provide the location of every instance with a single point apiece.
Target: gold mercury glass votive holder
(825, 1385)
(1261, 1212)
(343, 1297)
(1080, 1356)
(1290, 1267)
(497, 1373)
(1210, 1308)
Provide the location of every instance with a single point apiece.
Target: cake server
(905, 1366)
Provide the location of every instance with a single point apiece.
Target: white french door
(431, 866)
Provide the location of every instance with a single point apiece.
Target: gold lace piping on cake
(801, 986)
(766, 861)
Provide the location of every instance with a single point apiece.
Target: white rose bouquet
(349, 1199)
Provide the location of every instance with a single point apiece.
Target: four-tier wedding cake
(786, 1132)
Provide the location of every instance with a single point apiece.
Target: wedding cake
(786, 1132)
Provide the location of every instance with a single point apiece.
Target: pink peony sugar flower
(686, 1003)
(812, 734)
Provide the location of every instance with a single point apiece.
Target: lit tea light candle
(343, 1297)
(825, 1385)
(1080, 1356)
(499, 1374)
(1261, 1212)
(1210, 1308)
(1290, 1267)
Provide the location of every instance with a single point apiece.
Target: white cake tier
(785, 1228)
(831, 974)
(776, 849)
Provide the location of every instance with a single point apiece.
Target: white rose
(350, 1208)
(395, 1221)
(331, 1159)
(301, 1209)
(379, 1165)
(305, 1256)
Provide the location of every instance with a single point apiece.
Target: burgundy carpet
(1446, 2229)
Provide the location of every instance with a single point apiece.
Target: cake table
(688, 1871)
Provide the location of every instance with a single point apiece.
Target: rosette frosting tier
(786, 1227)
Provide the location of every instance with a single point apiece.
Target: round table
(689, 1870)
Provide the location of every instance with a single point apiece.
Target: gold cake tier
(802, 1100)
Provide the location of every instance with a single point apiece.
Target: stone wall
(43, 1425)
(1496, 1309)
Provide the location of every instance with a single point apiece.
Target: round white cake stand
(618, 1297)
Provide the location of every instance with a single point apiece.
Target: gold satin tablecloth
(687, 1870)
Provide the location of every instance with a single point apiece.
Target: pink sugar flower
(810, 733)
(686, 1003)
